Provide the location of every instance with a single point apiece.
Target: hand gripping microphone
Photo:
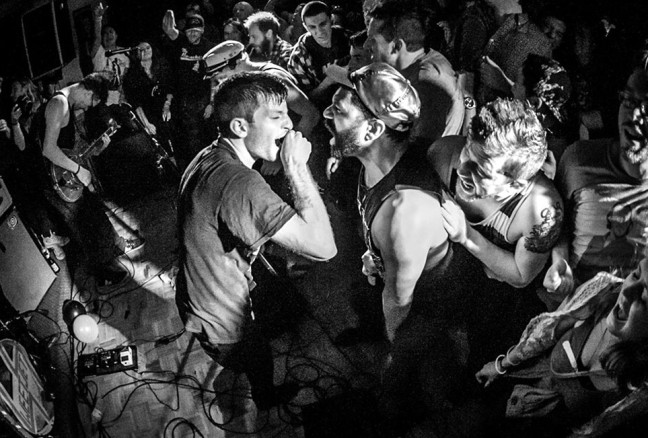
(119, 51)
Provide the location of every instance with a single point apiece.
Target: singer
(217, 250)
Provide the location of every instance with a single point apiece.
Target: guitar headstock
(113, 126)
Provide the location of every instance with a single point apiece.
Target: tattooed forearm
(544, 235)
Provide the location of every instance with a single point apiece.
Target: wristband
(513, 364)
(498, 366)
(78, 169)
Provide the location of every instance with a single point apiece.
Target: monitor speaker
(25, 274)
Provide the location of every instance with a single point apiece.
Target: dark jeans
(192, 130)
(88, 227)
(252, 356)
(425, 372)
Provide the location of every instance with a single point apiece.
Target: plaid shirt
(307, 69)
(280, 53)
(300, 65)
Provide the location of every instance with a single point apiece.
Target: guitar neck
(97, 146)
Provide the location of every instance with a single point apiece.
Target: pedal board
(108, 361)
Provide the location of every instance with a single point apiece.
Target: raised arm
(97, 16)
(169, 25)
(408, 230)
(309, 232)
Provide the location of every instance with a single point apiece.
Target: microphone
(119, 51)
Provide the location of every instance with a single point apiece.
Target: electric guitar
(66, 184)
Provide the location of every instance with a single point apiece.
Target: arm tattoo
(545, 235)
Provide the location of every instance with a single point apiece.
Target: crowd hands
(543, 175)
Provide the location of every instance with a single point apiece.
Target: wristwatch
(469, 102)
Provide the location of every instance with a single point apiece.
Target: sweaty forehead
(342, 97)
(316, 20)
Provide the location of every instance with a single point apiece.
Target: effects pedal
(108, 361)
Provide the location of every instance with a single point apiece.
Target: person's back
(436, 81)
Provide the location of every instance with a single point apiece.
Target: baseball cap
(387, 94)
(218, 57)
(195, 22)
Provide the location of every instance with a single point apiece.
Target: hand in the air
(295, 149)
(99, 10)
(168, 22)
(454, 220)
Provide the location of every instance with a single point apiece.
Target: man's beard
(346, 143)
(266, 46)
(635, 154)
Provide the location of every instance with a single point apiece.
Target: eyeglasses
(631, 102)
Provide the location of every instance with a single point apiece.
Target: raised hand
(99, 10)
(168, 22)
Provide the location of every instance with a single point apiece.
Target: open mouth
(632, 135)
(620, 314)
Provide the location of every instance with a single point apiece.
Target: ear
(398, 44)
(239, 127)
(375, 128)
(519, 184)
(269, 34)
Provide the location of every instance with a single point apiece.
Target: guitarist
(89, 226)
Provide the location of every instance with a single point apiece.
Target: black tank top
(444, 289)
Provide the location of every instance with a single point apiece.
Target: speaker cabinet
(25, 274)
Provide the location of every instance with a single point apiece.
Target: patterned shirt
(306, 64)
(280, 53)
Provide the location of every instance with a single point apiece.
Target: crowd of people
(501, 183)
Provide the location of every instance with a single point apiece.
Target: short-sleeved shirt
(442, 107)
(226, 211)
(603, 210)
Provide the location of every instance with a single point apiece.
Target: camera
(25, 104)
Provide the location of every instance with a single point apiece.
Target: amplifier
(25, 274)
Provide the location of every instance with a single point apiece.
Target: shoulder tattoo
(544, 235)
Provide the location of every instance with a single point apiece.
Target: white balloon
(85, 328)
